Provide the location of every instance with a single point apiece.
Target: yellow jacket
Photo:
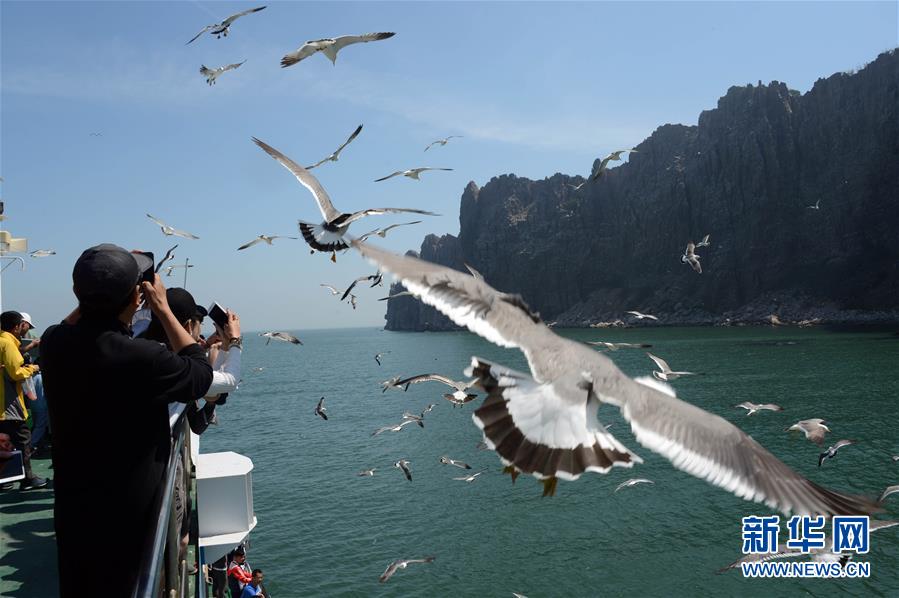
(14, 371)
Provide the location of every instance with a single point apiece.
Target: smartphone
(148, 275)
(11, 468)
(218, 315)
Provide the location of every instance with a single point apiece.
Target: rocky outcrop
(744, 174)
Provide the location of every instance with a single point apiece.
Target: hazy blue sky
(535, 88)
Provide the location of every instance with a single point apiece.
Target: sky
(104, 117)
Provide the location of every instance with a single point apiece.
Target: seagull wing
(690, 251)
(250, 244)
(389, 176)
(232, 66)
(348, 141)
(389, 571)
(234, 17)
(428, 378)
(306, 179)
(304, 51)
(474, 272)
(184, 233)
(158, 221)
(287, 337)
(349, 288)
(841, 443)
(345, 40)
(204, 30)
(771, 407)
(661, 363)
(379, 211)
(700, 443)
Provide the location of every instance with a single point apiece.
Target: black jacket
(108, 397)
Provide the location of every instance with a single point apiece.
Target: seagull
(825, 555)
(334, 290)
(753, 408)
(545, 423)
(281, 336)
(577, 187)
(212, 74)
(220, 29)
(633, 482)
(95, 134)
(443, 141)
(412, 173)
(666, 374)
(469, 478)
(391, 383)
(330, 46)
(404, 465)
(448, 461)
(458, 397)
(887, 491)
(814, 429)
(327, 236)
(614, 156)
(169, 255)
(704, 242)
(263, 238)
(691, 258)
(617, 346)
(367, 472)
(418, 419)
(170, 269)
(376, 277)
(42, 253)
(258, 369)
(353, 300)
(428, 409)
(394, 428)
(336, 154)
(817, 206)
(402, 564)
(320, 409)
(382, 232)
(895, 458)
(378, 356)
(169, 231)
(831, 451)
(640, 316)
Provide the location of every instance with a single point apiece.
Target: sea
(325, 531)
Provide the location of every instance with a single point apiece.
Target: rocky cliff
(745, 175)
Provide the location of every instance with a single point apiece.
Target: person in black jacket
(108, 397)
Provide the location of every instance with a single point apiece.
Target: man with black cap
(12, 401)
(108, 396)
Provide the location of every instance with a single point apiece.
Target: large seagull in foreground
(545, 423)
(220, 29)
(330, 46)
(329, 235)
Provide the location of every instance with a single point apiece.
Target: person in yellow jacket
(14, 371)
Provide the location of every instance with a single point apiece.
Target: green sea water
(324, 531)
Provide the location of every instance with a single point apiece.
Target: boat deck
(27, 540)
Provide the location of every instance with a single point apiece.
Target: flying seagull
(336, 154)
(448, 461)
(633, 482)
(814, 429)
(402, 564)
(212, 74)
(689, 257)
(374, 278)
(887, 491)
(330, 46)
(281, 336)
(334, 290)
(820, 555)
(327, 236)
(170, 269)
(412, 173)
(641, 316)
(395, 427)
(753, 408)
(443, 141)
(378, 356)
(42, 253)
(221, 29)
(617, 346)
(457, 397)
(261, 239)
(469, 478)
(578, 187)
(666, 374)
(418, 419)
(382, 232)
(545, 424)
(704, 242)
(831, 451)
(320, 409)
(603, 165)
(169, 255)
(169, 231)
(817, 206)
(367, 472)
(404, 465)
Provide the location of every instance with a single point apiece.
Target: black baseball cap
(183, 305)
(105, 275)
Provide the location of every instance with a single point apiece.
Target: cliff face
(744, 175)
